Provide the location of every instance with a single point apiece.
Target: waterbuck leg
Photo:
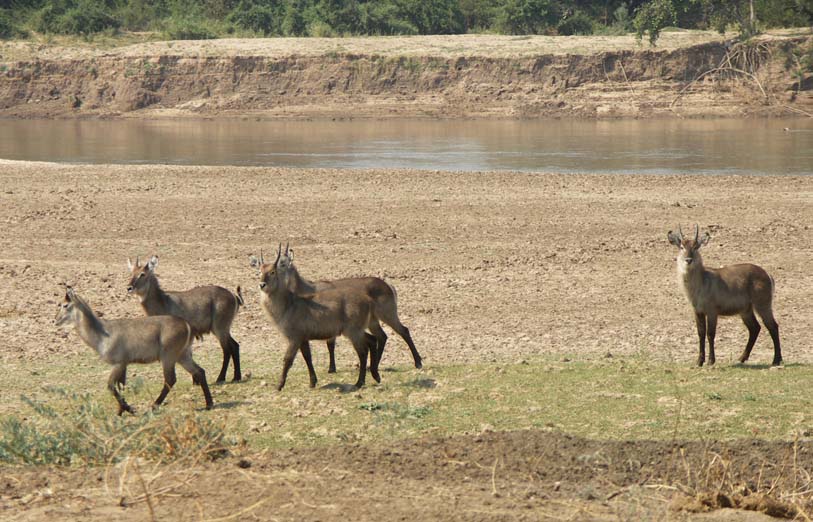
(770, 323)
(751, 323)
(700, 321)
(305, 348)
(711, 332)
(227, 355)
(376, 344)
(360, 344)
(287, 361)
(416, 357)
(389, 316)
(331, 350)
(169, 382)
(773, 329)
(234, 346)
(117, 377)
(198, 377)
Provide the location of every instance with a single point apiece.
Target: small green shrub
(188, 28)
(90, 434)
(7, 28)
(320, 29)
(577, 23)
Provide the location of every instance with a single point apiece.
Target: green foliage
(196, 19)
(7, 27)
(90, 434)
(577, 23)
(525, 16)
(652, 17)
(188, 28)
(478, 15)
(264, 18)
(83, 17)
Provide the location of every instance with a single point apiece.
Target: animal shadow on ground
(747, 366)
(343, 388)
(422, 383)
(227, 405)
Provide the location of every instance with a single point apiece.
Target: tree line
(201, 19)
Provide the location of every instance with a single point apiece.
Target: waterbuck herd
(305, 311)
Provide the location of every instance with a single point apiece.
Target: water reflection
(662, 146)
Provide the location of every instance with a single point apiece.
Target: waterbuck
(120, 342)
(382, 294)
(734, 289)
(207, 309)
(320, 316)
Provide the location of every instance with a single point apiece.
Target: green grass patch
(608, 399)
(75, 429)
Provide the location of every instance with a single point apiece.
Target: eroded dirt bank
(466, 76)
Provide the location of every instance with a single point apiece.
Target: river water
(631, 146)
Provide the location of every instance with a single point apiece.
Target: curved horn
(696, 232)
(262, 261)
(286, 248)
(279, 253)
(137, 261)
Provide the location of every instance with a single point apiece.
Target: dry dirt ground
(488, 266)
(524, 475)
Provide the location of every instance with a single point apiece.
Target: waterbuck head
(688, 249)
(272, 275)
(67, 308)
(141, 276)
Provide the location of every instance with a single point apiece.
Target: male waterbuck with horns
(120, 342)
(207, 309)
(381, 294)
(320, 316)
(731, 290)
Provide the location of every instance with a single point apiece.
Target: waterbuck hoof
(700, 363)
(376, 376)
(331, 370)
(313, 383)
(209, 405)
(129, 409)
(418, 364)
(237, 378)
(711, 362)
(360, 384)
(777, 362)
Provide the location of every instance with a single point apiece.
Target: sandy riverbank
(488, 266)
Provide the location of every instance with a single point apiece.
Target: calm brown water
(667, 146)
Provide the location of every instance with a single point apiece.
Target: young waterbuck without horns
(320, 316)
(382, 294)
(734, 289)
(207, 309)
(120, 342)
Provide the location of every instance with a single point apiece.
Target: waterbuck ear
(69, 293)
(705, 239)
(254, 262)
(673, 238)
(291, 256)
(152, 263)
